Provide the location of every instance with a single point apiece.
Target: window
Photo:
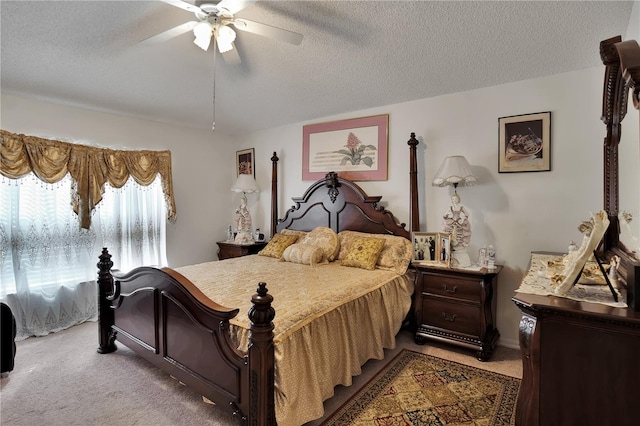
(48, 263)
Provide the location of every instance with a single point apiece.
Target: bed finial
(274, 192)
(261, 358)
(413, 182)
(106, 318)
(261, 313)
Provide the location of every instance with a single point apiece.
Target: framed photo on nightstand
(425, 247)
(444, 241)
(431, 248)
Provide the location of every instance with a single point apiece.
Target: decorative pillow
(277, 244)
(303, 253)
(396, 254)
(299, 234)
(325, 238)
(364, 253)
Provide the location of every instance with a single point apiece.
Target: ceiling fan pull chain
(213, 126)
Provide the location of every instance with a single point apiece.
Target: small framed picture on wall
(525, 143)
(245, 162)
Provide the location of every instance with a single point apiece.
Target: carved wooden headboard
(342, 205)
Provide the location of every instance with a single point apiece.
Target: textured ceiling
(355, 55)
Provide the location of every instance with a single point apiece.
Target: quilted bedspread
(330, 319)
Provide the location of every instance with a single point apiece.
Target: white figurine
(491, 257)
(456, 223)
(243, 223)
(614, 264)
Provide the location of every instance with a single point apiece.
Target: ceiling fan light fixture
(225, 37)
(203, 32)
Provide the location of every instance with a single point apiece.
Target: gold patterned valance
(90, 168)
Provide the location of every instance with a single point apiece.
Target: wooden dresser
(581, 363)
(457, 306)
(581, 360)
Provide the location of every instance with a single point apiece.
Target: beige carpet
(60, 379)
(418, 389)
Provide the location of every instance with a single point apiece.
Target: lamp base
(460, 258)
(243, 237)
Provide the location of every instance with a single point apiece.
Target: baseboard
(509, 343)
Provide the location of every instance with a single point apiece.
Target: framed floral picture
(356, 148)
(244, 162)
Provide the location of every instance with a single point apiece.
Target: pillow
(299, 234)
(325, 238)
(364, 253)
(303, 253)
(396, 254)
(276, 246)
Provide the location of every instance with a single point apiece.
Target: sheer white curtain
(48, 263)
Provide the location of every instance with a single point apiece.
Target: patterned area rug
(420, 389)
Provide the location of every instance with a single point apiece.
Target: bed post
(413, 182)
(274, 193)
(261, 359)
(106, 317)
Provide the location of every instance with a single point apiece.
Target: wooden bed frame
(162, 316)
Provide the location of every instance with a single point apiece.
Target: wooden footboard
(162, 316)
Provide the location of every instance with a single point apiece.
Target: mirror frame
(622, 74)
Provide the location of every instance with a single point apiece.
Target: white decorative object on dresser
(455, 171)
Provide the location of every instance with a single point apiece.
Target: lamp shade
(455, 170)
(245, 183)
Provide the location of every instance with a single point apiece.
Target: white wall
(633, 30)
(516, 212)
(202, 193)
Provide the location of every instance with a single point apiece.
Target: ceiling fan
(215, 19)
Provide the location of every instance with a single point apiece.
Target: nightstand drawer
(451, 286)
(457, 317)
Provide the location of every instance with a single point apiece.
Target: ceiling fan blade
(231, 7)
(231, 57)
(182, 5)
(170, 33)
(268, 31)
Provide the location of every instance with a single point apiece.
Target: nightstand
(457, 306)
(228, 249)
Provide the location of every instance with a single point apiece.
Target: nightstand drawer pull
(451, 318)
(453, 290)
